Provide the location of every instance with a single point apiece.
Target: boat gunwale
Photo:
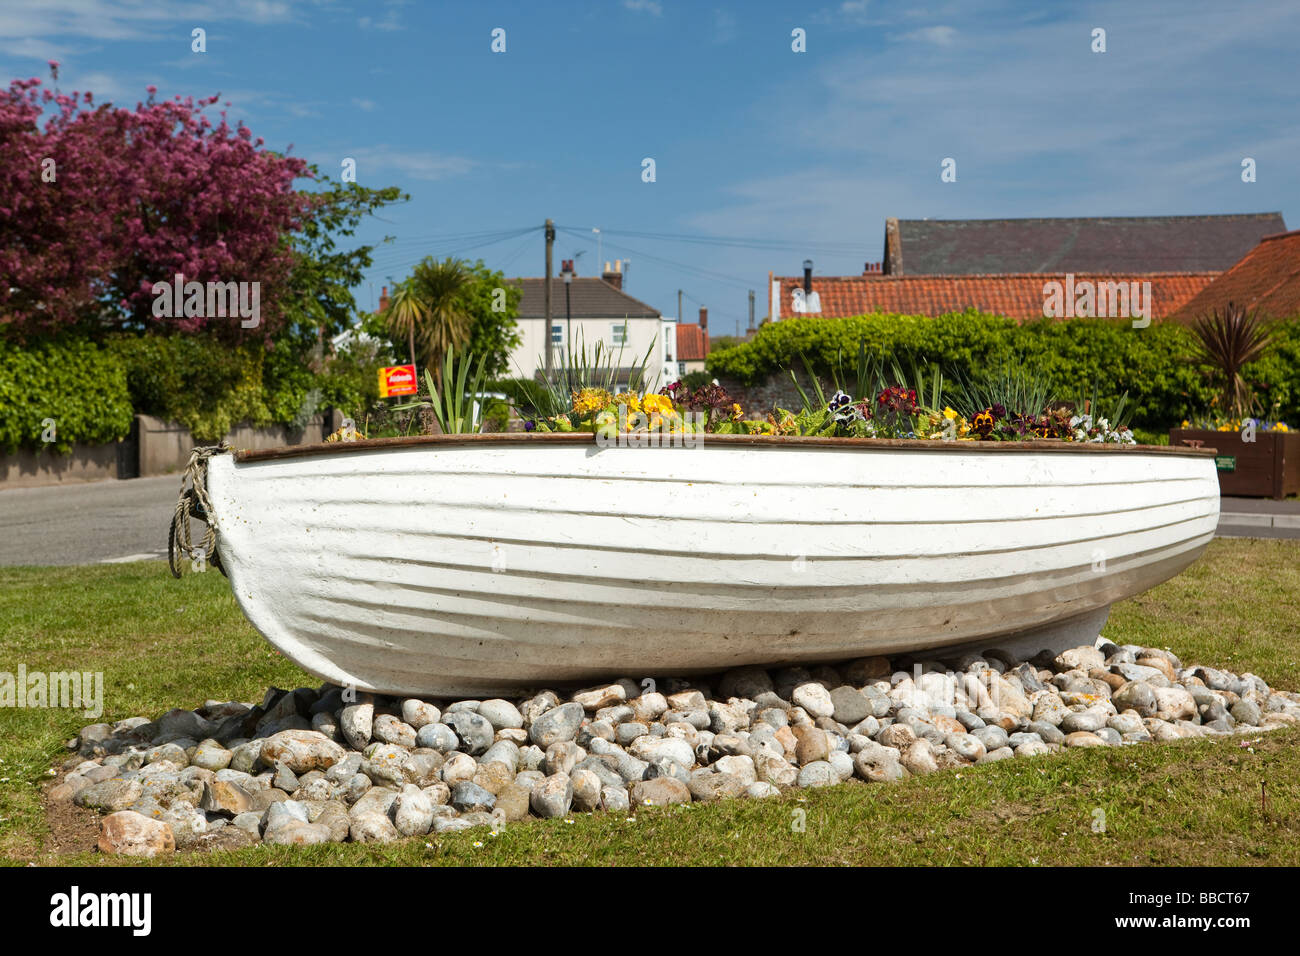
(797, 441)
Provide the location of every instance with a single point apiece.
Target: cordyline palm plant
(1227, 341)
(406, 313)
(455, 396)
(441, 287)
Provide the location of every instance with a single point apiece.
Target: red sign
(397, 380)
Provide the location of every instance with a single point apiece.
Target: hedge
(1154, 365)
(208, 386)
(79, 385)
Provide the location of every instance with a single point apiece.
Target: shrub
(77, 384)
(1155, 365)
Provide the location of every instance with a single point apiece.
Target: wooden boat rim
(746, 441)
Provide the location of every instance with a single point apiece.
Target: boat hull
(482, 568)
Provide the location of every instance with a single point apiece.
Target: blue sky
(791, 155)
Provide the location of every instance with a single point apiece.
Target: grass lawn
(162, 643)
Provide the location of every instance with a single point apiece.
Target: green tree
(320, 303)
(486, 304)
(441, 287)
(405, 314)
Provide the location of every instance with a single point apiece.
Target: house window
(557, 335)
(681, 368)
(618, 333)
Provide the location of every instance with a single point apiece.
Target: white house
(597, 310)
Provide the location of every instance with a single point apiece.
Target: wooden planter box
(1268, 467)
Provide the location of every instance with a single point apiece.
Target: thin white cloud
(389, 22)
(363, 104)
(724, 27)
(940, 35)
(653, 7)
(417, 164)
(1128, 143)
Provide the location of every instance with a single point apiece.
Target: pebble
(501, 714)
(127, 833)
(814, 699)
(324, 767)
(473, 730)
(552, 797)
(557, 724)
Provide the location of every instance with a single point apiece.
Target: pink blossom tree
(100, 202)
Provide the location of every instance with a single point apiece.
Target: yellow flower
(657, 403)
(590, 400)
(630, 400)
(949, 414)
(1281, 427)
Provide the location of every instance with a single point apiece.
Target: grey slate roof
(590, 298)
(1119, 244)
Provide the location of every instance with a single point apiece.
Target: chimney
(383, 299)
(807, 276)
(615, 276)
(704, 321)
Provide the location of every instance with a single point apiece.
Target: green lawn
(162, 643)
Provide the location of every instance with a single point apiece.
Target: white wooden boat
(489, 564)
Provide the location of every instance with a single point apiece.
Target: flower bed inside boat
(894, 412)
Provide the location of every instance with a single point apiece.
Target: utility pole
(550, 241)
(751, 311)
(679, 306)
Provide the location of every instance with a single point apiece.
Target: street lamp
(568, 319)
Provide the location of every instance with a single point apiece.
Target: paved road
(127, 520)
(88, 523)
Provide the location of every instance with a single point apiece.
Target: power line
(681, 266)
(845, 248)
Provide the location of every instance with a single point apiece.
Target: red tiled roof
(1267, 278)
(692, 343)
(1019, 296)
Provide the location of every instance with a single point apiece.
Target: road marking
(146, 556)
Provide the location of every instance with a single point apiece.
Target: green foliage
(492, 334)
(496, 415)
(203, 384)
(598, 367)
(76, 383)
(1155, 365)
(694, 380)
(323, 276)
(1275, 376)
(453, 402)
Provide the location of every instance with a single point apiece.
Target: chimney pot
(704, 320)
(614, 277)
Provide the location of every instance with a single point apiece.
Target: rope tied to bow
(193, 503)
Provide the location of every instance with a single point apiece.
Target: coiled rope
(193, 503)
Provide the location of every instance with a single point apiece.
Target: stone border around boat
(321, 765)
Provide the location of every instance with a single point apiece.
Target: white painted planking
(464, 570)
